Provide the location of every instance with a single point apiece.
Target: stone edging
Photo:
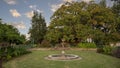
(82, 49)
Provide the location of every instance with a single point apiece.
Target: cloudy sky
(19, 12)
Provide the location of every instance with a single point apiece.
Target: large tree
(80, 20)
(67, 22)
(38, 29)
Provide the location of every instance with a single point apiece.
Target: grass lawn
(90, 59)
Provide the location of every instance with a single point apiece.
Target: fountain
(63, 56)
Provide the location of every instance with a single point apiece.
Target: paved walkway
(89, 49)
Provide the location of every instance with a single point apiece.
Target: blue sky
(19, 12)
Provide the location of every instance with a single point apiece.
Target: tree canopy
(10, 34)
(38, 29)
(78, 21)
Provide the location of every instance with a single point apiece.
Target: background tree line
(77, 21)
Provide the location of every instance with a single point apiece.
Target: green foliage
(99, 38)
(103, 3)
(113, 51)
(116, 10)
(86, 45)
(9, 52)
(66, 24)
(116, 7)
(107, 49)
(93, 20)
(10, 34)
(53, 35)
(38, 29)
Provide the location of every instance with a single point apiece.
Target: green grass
(89, 59)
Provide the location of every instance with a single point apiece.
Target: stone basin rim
(66, 57)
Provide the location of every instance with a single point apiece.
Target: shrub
(116, 51)
(87, 45)
(9, 52)
(107, 49)
(20, 50)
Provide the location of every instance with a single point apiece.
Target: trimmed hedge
(86, 45)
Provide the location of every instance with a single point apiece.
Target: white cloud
(33, 6)
(15, 13)
(54, 7)
(11, 2)
(27, 36)
(47, 24)
(109, 3)
(19, 25)
(87, 1)
(39, 11)
(29, 14)
(68, 0)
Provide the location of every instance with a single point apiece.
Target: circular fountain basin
(62, 57)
